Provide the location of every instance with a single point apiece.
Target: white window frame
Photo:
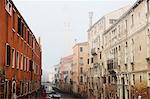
(8, 7)
(33, 43)
(6, 88)
(21, 61)
(13, 57)
(13, 83)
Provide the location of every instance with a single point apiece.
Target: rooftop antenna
(90, 19)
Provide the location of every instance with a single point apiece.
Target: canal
(67, 96)
(48, 88)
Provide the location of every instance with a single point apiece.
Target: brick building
(20, 54)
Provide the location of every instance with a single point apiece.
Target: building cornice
(124, 15)
(17, 11)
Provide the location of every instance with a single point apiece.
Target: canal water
(67, 96)
(48, 87)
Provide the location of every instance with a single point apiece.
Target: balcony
(93, 51)
(112, 65)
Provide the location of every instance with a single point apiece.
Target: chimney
(90, 19)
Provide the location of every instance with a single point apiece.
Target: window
(133, 79)
(119, 31)
(133, 67)
(21, 60)
(81, 49)
(81, 70)
(27, 67)
(30, 38)
(6, 90)
(30, 65)
(24, 33)
(100, 56)
(148, 5)
(8, 6)
(81, 60)
(149, 79)
(13, 58)
(8, 55)
(28, 33)
(25, 63)
(108, 79)
(37, 67)
(92, 60)
(119, 68)
(126, 23)
(112, 21)
(19, 26)
(119, 48)
(132, 18)
(81, 79)
(88, 61)
(126, 52)
(22, 29)
(13, 19)
(126, 44)
(140, 48)
(104, 80)
(126, 66)
(132, 42)
(140, 78)
(17, 60)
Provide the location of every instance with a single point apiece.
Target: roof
(67, 59)
(82, 43)
(24, 21)
(103, 17)
(124, 15)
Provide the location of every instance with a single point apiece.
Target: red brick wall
(10, 35)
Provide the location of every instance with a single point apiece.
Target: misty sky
(59, 23)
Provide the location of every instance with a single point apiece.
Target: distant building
(70, 73)
(20, 54)
(80, 67)
(65, 72)
(51, 77)
(57, 74)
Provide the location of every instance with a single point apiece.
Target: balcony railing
(112, 65)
